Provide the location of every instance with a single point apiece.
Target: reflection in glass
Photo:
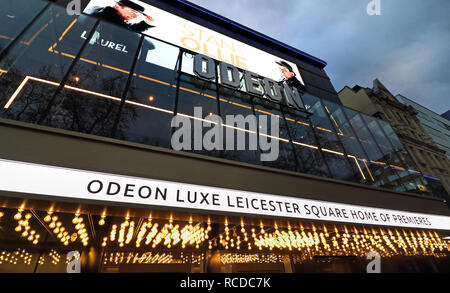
(350, 142)
(102, 71)
(15, 16)
(151, 97)
(331, 146)
(234, 103)
(383, 175)
(37, 63)
(305, 144)
(389, 154)
(412, 171)
(286, 159)
(196, 93)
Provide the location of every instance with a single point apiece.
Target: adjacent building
(437, 126)
(424, 133)
(87, 160)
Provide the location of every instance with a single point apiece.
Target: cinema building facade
(87, 164)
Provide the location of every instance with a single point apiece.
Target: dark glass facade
(81, 74)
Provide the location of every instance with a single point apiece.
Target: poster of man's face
(123, 12)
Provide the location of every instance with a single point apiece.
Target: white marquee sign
(75, 184)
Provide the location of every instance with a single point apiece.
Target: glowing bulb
(17, 216)
(47, 218)
(28, 216)
(101, 222)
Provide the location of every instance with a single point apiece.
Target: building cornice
(420, 143)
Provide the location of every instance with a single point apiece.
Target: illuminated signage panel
(64, 183)
(160, 24)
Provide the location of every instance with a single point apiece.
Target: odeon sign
(263, 87)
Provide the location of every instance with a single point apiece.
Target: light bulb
(17, 216)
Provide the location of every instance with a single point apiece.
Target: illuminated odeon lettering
(263, 87)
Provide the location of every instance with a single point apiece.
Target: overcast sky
(407, 47)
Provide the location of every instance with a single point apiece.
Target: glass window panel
(350, 142)
(407, 178)
(381, 171)
(150, 104)
(188, 63)
(234, 103)
(91, 98)
(286, 159)
(305, 144)
(197, 93)
(391, 156)
(363, 134)
(412, 171)
(380, 138)
(15, 16)
(37, 63)
(328, 139)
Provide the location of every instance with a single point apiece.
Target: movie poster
(154, 22)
